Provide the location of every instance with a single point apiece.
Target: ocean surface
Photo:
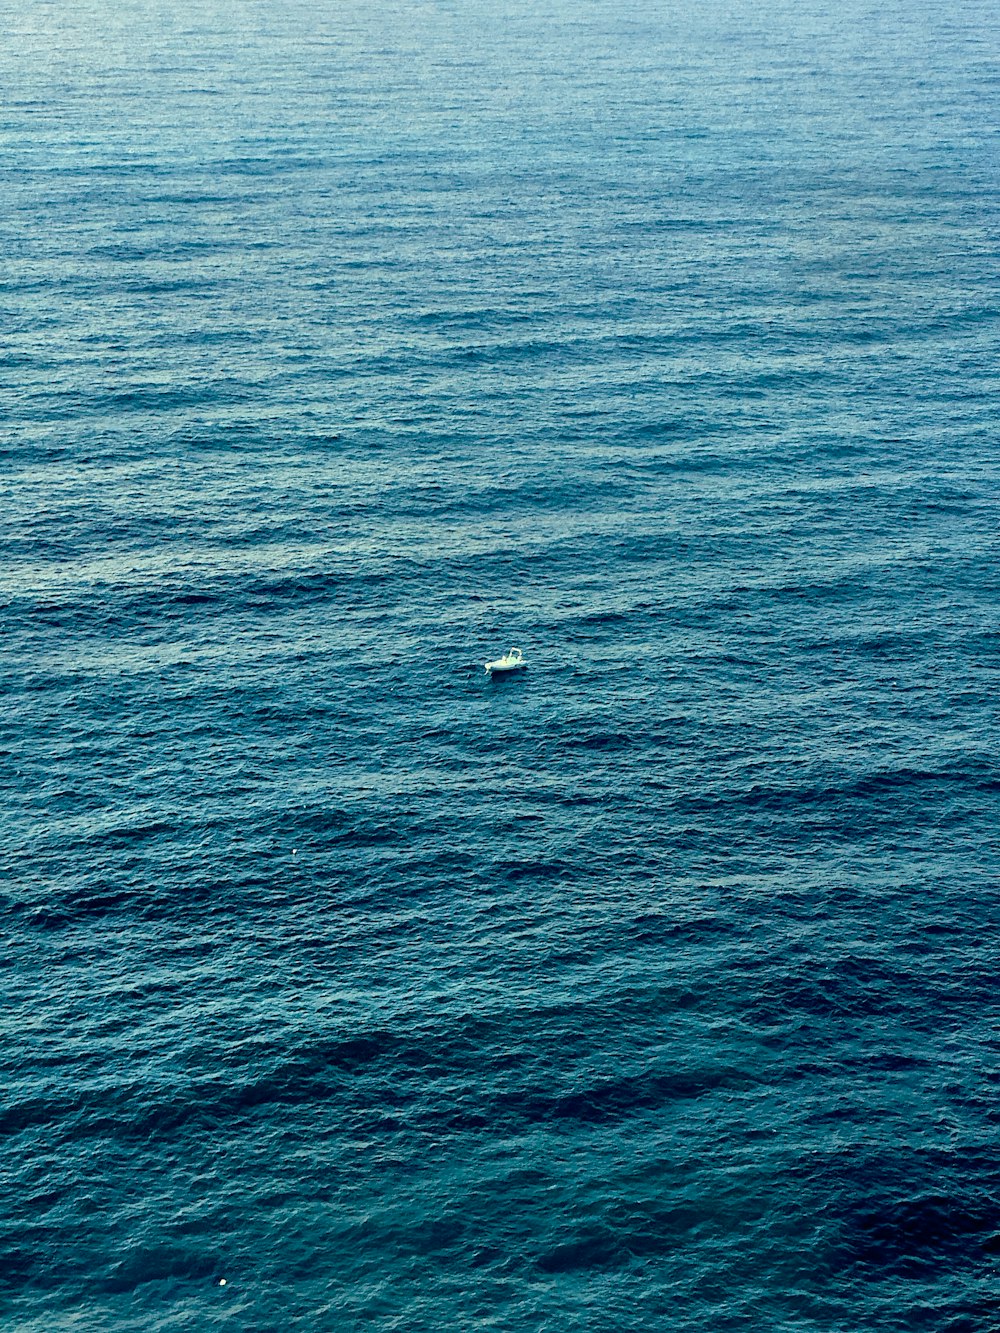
(343, 347)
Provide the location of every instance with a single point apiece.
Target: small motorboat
(513, 661)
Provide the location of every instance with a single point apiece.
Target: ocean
(346, 346)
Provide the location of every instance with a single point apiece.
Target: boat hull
(504, 666)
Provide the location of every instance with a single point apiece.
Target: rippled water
(344, 347)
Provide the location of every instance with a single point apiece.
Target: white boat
(513, 661)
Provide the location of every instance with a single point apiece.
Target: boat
(513, 661)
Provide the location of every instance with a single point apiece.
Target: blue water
(344, 347)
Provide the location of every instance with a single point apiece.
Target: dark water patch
(158, 1264)
(615, 1099)
(908, 1235)
(660, 928)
